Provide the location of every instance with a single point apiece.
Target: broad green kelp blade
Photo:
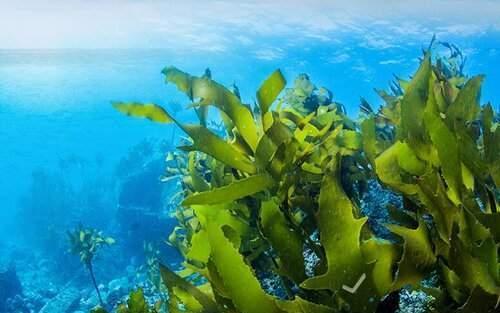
(384, 255)
(418, 256)
(491, 140)
(150, 111)
(340, 235)
(239, 280)
(288, 242)
(447, 148)
(210, 92)
(211, 144)
(269, 90)
(480, 301)
(388, 168)
(234, 191)
(413, 104)
(171, 280)
(466, 106)
(204, 139)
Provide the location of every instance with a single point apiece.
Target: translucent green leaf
(210, 92)
(385, 256)
(234, 191)
(370, 143)
(472, 270)
(413, 103)
(340, 236)
(211, 144)
(388, 169)
(243, 287)
(287, 242)
(150, 111)
(466, 105)
(447, 147)
(418, 255)
(269, 90)
(171, 280)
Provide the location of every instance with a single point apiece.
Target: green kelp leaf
(492, 222)
(209, 143)
(470, 153)
(413, 103)
(480, 301)
(471, 270)
(236, 190)
(454, 286)
(197, 180)
(340, 236)
(287, 242)
(240, 282)
(349, 140)
(466, 105)
(385, 255)
(447, 147)
(137, 303)
(98, 310)
(269, 90)
(370, 143)
(409, 162)
(433, 194)
(274, 137)
(468, 178)
(199, 249)
(189, 303)
(418, 256)
(224, 214)
(150, 111)
(171, 280)
(491, 139)
(210, 92)
(389, 171)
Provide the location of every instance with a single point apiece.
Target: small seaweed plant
(136, 303)
(86, 242)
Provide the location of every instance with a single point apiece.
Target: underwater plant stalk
(91, 271)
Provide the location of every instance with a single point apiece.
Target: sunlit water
(56, 104)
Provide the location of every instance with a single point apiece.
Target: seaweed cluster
(277, 197)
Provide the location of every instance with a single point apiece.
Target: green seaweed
(289, 179)
(86, 242)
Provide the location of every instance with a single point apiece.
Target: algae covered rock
(10, 286)
(66, 301)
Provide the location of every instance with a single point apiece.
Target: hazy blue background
(63, 62)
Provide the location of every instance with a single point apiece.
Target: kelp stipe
(278, 197)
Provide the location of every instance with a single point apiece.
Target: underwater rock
(374, 205)
(10, 286)
(121, 283)
(414, 302)
(64, 302)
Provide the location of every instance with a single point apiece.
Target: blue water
(55, 104)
